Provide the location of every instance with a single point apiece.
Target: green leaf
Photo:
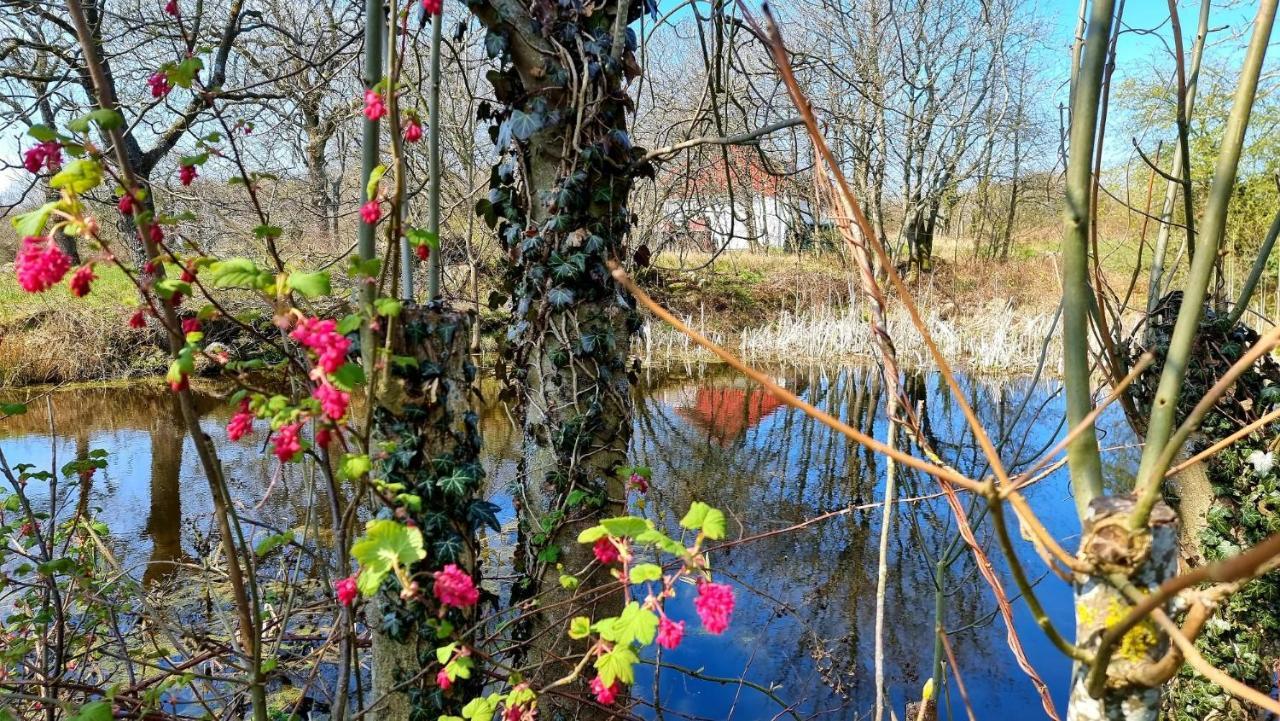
(166, 287)
(371, 187)
(78, 176)
(654, 537)
(591, 535)
(33, 222)
(311, 285)
(199, 159)
(422, 236)
(349, 376)
(263, 232)
(184, 73)
(386, 545)
(636, 624)
(705, 518)
(569, 582)
(106, 119)
(389, 307)
(482, 708)
(455, 484)
(355, 466)
(617, 665)
(240, 272)
(349, 324)
(444, 653)
(13, 409)
(43, 133)
(579, 627)
(95, 711)
(625, 526)
(645, 572)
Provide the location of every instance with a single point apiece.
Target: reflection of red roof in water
(728, 412)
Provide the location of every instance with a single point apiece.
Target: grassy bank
(986, 317)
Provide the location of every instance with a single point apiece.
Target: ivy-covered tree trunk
(427, 449)
(558, 200)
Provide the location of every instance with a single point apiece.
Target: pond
(801, 644)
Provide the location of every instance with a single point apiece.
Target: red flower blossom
(287, 442)
(188, 274)
(374, 108)
(155, 233)
(370, 212)
(159, 85)
(190, 325)
(186, 174)
(40, 264)
(669, 633)
(241, 424)
(422, 251)
(606, 695)
(605, 551)
(453, 587)
(412, 131)
(346, 590)
(332, 401)
(126, 204)
(443, 681)
(181, 384)
(432, 7)
(47, 155)
(640, 483)
(714, 605)
(82, 279)
(171, 8)
(138, 319)
(322, 337)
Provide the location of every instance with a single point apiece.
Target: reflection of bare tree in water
(164, 521)
(812, 588)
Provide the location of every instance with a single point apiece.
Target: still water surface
(806, 598)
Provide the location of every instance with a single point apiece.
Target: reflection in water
(806, 599)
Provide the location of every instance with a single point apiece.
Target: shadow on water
(803, 625)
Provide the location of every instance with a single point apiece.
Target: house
(766, 210)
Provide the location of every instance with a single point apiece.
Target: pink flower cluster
(322, 337)
(605, 551)
(171, 8)
(443, 681)
(670, 633)
(412, 131)
(40, 264)
(126, 204)
(159, 83)
(370, 212)
(453, 587)
(374, 107)
(332, 400)
(47, 155)
(82, 280)
(186, 174)
(191, 325)
(433, 7)
(714, 605)
(241, 423)
(606, 695)
(287, 442)
(346, 590)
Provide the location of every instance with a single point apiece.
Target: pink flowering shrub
(453, 587)
(40, 264)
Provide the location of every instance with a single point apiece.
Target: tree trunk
(1109, 544)
(427, 431)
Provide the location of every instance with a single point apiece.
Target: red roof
(746, 165)
(727, 413)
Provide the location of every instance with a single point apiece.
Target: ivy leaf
(311, 285)
(386, 545)
(448, 550)
(484, 513)
(560, 297)
(645, 572)
(617, 665)
(455, 484)
(524, 125)
(495, 44)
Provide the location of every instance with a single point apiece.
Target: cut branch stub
(1146, 559)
